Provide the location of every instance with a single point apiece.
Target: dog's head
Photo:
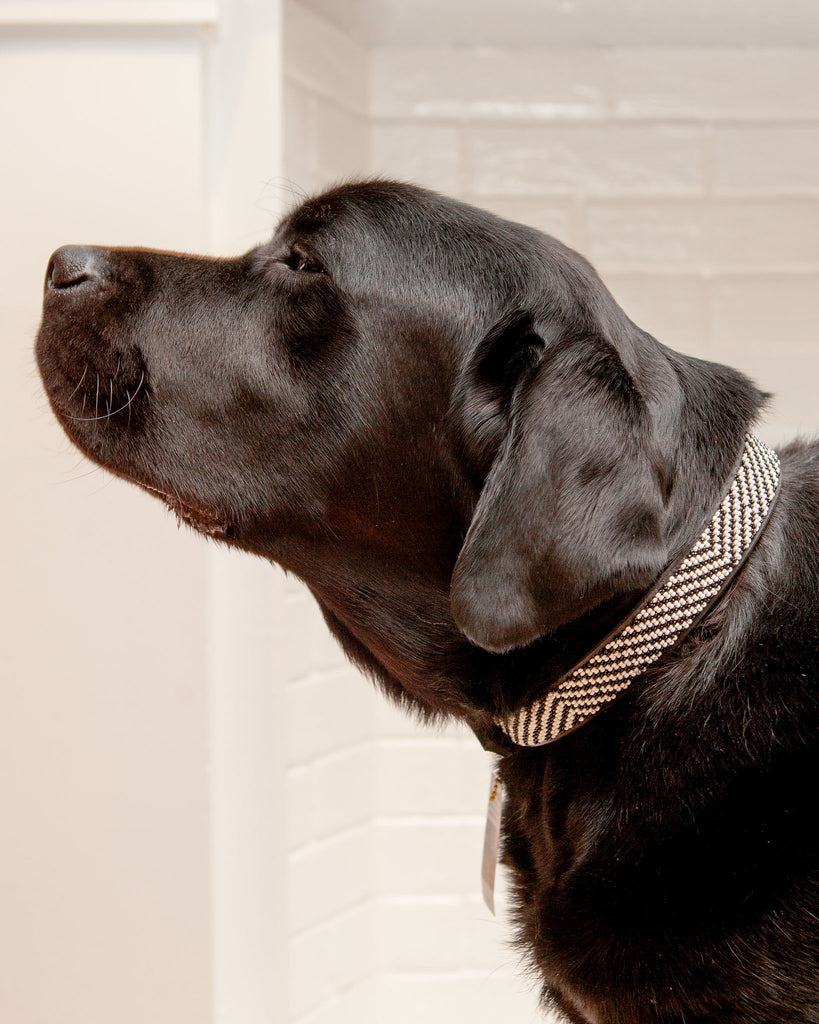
(403, 399)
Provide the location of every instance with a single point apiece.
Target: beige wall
(103, 760)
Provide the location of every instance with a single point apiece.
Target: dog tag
(491, 840)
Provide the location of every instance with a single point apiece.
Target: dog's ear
(571, 512)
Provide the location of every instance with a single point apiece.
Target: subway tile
(766, 159)
(300, 124)
(323, 59)
(329, 878)
(645, 233)
(701, 234)
(789, 374)
(420, 936)
(344, 785)
(330, 963)
(331, 958)
(329, 795)
(395, 722)
(769, 328)
(463, 996)
(307, 644)
(757, 84)
(325, 651)
(488, 84)
(779, 310)
(352, 949)
(301, 807)
(358, 1004)
(557, 216)
(362, 1002)
(343, 142)
(424, 154)
(774, 233)
(605, 159)
(327, 713)
(415, 856)
(441, 935)
(308, 975)
(431, 777)
(295, 654)
(672, 307)
(299, 182)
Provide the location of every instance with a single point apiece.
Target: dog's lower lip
(204, 520)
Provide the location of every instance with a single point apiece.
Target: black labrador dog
(443, 423)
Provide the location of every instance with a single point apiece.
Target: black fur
(444, 424)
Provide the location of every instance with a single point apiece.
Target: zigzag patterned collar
(667, 614)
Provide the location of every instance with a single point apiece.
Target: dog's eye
(298, 261)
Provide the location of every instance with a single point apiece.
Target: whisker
(77, 388)
(78, 476)
(106, 483)
(108, 415)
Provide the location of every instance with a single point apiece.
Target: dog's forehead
(370, 211)
(403, 239)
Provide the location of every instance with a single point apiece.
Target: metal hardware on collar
(667, 614)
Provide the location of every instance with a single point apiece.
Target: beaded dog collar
(666, 615)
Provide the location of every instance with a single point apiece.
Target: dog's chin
(207, 521)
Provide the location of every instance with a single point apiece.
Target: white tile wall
(673, 306)
(599, 159)
(712, 235)
(419, 152)
(689, 176)
(469, 995)
(714, 84)
(763, 159)
(491, 84)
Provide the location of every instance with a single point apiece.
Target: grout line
(416, 821)
(359, 830)
(325, 760)
(338, 918)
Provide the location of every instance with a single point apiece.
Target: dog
(443, 423)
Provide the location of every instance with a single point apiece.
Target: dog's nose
(73, 266)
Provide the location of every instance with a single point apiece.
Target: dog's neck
(667, 614)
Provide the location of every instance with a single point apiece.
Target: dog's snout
(73, 266)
